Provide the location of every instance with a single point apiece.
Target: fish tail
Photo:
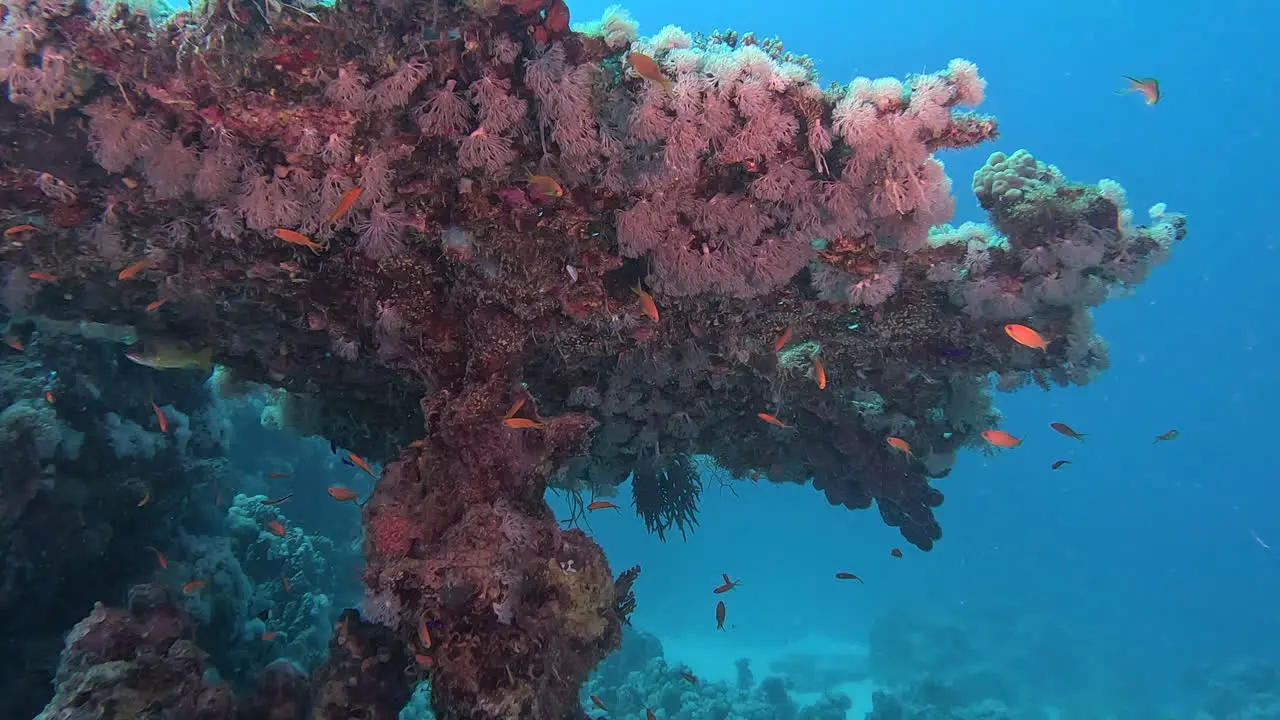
(204, 359)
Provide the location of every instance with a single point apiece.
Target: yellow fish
(173, 356)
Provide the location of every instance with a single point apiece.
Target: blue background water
(1142, 552)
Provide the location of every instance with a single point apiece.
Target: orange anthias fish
(848, 576)
(192, 587)
(647, 68)
(545, 188)
(160, 558)
(42, 276)
(720, 615)
(1001, 439)
(296, 238)
(360, 463)
(601, 505)
(896, 552)
(1024, 335)
(900, 445)
(1149, 87)
(1065, 429)
(15, 342)
(1164, 436)
(135, 268)
(515, 407)
(18, 229)
(152, 307)
(276, 528)
(595, 699)
(647, 304)
(146, 498)
(693, 679)
(48, 397)
(1059, 464)
(342, 494)
(772, 420)
(782, 340)
(423, 635)
(276, 475)
(521, 423)
(728, 584)
(284, 582)
(164, 421)
(344, 205)
(269, 636)
(819, 373)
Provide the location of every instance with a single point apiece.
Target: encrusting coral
(412, 217)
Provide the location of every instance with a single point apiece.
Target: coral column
(506, 611)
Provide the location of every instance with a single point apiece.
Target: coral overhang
(745, 198)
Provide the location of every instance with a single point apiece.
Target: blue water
(1141, 554)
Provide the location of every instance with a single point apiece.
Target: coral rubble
(410, 217)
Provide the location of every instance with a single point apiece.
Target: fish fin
(205, 359)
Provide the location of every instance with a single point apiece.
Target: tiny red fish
(135, 268)
(728, 584)
(1059, 464)
(276, 475)
(896, 552)
(192, 587)
(545, 188)
(1025, 336)
(1001, 439)
(18, 229)
(160, 558)
(848, 576)
(772, 420)
(360, 463)
(521, 423)
(601, 505)
(276, 528)
(342, 494)
(284, 581)
(42, 276)
(647, 304)
(782, 340)
(720, 615)
(48, 396)
(152, 307)
(296, 238)
(269, 636)
(693, 679)
(599, 703)
(348, 199)
(164, 421)
(146, 498)
(819, 373)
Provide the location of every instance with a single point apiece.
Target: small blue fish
(333, 446)
(348, 463)
(954, 353)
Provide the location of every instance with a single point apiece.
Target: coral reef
(136, 663)
(637, 678)
(494, 252)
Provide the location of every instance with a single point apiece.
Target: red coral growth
(390, 531)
